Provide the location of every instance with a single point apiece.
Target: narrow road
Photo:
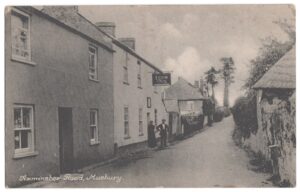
(208, 159)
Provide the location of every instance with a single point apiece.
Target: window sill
(95, 80)
(21, 60)
(125, 83)
(141, 134)
(140, 87)
(155, 92)
(127, 137)
(25, 154)
(94, 143)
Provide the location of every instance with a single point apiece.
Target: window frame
(141, 124)
(125, 70)
(15, 57)
(95, 54)
(30, 150)
(95, 140)
(139, 75)
(126, 121)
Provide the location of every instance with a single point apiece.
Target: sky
(188, 40)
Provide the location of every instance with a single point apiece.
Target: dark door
(148, 122)
(65, 139)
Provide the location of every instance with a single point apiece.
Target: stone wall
(275, 137)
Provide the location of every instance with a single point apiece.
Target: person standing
(151, 135)
(208, 110)
(163, 131)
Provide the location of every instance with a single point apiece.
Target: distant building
(276, 108)
(136, 100)
(59, 92)
(184, 103)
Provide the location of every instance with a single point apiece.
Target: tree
(270, 52)
(211, 79)
(227, 75)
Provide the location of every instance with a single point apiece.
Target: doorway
(65, 139)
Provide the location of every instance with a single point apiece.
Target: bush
(245, 115)
(219, 114)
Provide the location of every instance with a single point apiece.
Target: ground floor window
(141, 131)
(94, 138)
(126, 122)
(23, 129)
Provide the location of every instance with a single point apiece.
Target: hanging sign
(161, 78)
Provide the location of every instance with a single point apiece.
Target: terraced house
(136, 100)
(59, 92)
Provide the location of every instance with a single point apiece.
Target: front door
(65, 139)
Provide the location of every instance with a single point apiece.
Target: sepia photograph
(150, 96)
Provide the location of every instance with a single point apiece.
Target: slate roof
(183, 90)
(171, 105)
(281, 75)
(72, 18)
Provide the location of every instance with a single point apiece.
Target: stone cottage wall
(275, 138)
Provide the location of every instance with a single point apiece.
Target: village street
(208, 159)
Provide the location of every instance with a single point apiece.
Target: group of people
(163, 129)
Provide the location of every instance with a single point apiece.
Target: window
(148, 102)
(125, 69)
(139, 78)
(126, 122)
(20, 34)
(93, 63)
(94, 127)
(141, 131)
(23, 129)
(190, 105)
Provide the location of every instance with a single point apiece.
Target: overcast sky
(188, 40)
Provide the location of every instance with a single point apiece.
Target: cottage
(136, 100)
(59, 92)
(275, 137)
(183, 102)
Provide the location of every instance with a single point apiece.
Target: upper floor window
(139, 78)
(190, 105)
(20, 34)
(125, 69)
(93, 64)
(94, 139)
(23, 129)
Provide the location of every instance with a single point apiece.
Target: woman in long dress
(151, 135)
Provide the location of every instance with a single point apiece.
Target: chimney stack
(128, 41)
(107, 27)
(59, 11)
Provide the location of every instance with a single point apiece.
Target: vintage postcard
(150, 96)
